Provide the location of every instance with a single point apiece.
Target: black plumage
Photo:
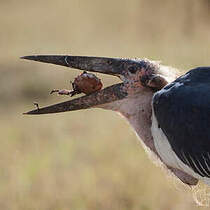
(182, 109)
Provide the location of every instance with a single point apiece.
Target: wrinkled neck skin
(137, 110)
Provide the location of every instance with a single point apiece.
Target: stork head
(140, 80)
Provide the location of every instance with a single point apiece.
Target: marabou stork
(170, 114)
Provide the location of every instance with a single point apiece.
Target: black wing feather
(182, 110)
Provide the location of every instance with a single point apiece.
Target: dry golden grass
(89, 159)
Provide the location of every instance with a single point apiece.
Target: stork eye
(132, 69)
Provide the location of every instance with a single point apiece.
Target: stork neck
(141, 123)
(138, 111)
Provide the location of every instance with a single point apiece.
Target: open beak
(111, 66)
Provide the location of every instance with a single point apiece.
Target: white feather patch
(168, 156)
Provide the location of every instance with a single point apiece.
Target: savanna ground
(87, 159)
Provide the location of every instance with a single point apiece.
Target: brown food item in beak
(86, 83)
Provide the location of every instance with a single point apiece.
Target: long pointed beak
(107, 95)
(111, 66)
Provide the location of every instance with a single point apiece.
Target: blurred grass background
(89, 159)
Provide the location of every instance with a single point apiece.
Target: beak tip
(33, 112)
(30, 57)
(26, 113)
(52, 59)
